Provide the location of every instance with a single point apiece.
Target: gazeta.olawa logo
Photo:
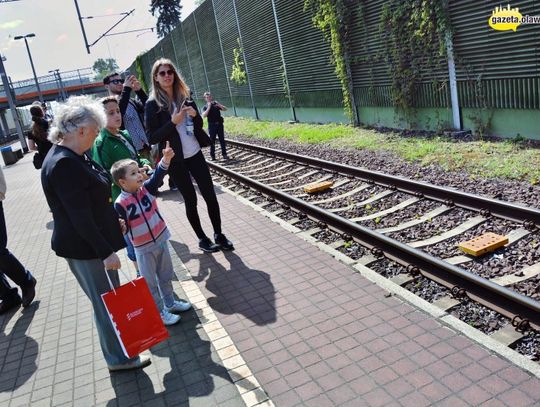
(506, 19)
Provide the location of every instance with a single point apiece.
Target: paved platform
(277, 322)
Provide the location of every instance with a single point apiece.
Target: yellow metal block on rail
(482, 244)
(317, 186)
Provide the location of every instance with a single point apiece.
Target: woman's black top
(160, 128)
(39, 135)
(78, 192)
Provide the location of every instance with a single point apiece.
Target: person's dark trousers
(9, 265)
(216, 129)
(181, 174)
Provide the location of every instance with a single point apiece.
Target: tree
(168, 15)
(103, 67)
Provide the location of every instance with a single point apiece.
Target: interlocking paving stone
(312, 331)
(50, 351)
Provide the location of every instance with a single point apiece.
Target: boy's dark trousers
(213, 130)
(9, 265)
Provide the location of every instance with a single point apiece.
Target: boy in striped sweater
(147, 230)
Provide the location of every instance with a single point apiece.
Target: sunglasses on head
(167, 72)
(117, 81)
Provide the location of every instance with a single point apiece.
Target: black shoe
(223, 242)
(28, 292)
(11, 302)
(206, 245)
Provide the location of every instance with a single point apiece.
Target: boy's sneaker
(178, 306)
(168, 318)
(222, 242)
(206, 245)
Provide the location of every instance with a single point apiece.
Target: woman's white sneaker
(168, 318)
(178, 306)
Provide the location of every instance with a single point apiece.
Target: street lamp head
(20, 37)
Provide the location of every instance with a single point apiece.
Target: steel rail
(505, 300)
(447, 195)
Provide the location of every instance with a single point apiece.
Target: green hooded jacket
(109, 149)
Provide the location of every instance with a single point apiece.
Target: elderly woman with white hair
(86, 232)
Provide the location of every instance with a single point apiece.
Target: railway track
(407, 231)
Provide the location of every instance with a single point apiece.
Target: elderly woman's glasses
(168, 72)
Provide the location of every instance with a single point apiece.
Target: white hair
(77, 112)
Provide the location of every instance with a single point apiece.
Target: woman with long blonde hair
(170, 115)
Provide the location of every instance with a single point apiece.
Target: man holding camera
(132, 110)
(212, 111)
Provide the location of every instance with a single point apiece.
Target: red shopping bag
(135, 317)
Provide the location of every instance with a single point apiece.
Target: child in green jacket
(113, 144)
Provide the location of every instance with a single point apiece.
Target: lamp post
(24, 37)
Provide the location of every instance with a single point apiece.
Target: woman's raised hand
(178, 115)
(191, 111)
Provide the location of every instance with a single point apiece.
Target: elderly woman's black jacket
(78, 192)
(160, 128)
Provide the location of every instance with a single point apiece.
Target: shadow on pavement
(193, 369)
(237, 289)
(18, 360)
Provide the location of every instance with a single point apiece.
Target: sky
(59, 42)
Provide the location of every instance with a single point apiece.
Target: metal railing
(77, 77)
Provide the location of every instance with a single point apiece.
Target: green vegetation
(168, 14)
(238, 73)
(479, 158)
(333, 18)
(102, 67)
(140, 73)
(414, 39)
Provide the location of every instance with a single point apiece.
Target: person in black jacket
(131, 109)
(38, 134)
(212, 111)
(171, 116)
(86, 231)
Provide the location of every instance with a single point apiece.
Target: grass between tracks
(506, 159)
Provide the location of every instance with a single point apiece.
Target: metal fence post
(174, 48)
(245, 61)
(223, 56)
(189, 62)
(283, 61)
(453, 82)
(202, 56)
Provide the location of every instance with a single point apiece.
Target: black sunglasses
(167, 72)
(117, 81)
